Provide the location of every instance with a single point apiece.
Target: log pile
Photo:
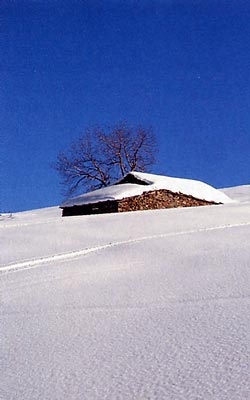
(160, 199)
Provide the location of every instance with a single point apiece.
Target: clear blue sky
(181, 66)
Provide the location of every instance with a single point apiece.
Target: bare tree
(101, 156)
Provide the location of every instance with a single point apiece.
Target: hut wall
(95, 208)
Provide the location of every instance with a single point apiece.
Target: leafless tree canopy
(101, 156)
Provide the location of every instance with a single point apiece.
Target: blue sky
(182, 67)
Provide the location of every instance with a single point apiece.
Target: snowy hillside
(144, 305)
(238, 193)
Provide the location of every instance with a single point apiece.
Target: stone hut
(141, 191)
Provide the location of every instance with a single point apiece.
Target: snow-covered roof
(149, 182)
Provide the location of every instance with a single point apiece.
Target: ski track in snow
(38, 262)
(158, 310)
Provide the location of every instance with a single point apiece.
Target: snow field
(155, 305)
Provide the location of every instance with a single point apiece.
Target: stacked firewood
(160, 199)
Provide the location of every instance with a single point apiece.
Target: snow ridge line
(37, 262)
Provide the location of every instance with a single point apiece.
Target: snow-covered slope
(191, 187)
(143, 305)
(238, 193)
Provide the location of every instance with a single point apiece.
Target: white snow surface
(134, 306)
(191, 187)
(238, 193)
